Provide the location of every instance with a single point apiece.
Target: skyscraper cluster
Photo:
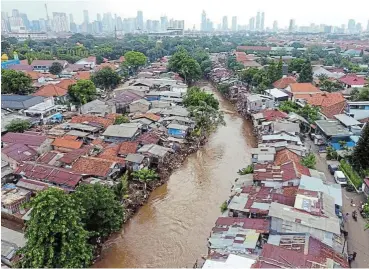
(104, 23)
(255, 24)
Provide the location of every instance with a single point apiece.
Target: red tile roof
(330, 103)
(23, 138)
(65, 83)
(92, 119)
(284, 156)
(48, 173)
(353, 80)
(274, 114)
(51, 90)
(70, 137)
(111, 153)
(127, 148)
(19, 152)
(261, 225)
(303, 88)
(83, 75)
(33, 74)
(284, 82)
(67, 143)
(93, 166)
(148, 138)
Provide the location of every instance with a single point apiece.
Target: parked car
(340, 178)
(333, 166)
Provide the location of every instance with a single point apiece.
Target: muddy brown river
(171, 230)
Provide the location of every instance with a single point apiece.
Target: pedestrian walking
(345, 217)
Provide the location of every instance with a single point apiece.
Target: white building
(60, 22)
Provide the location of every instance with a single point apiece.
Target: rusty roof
(93, 166)
(90, 119)
(43, 172)
(51, 90)
(67, 143)
(111, 153)
(65, 83)
(148, 138)
(73, 155)
(127, 148)
(23, 138)
(260, 225)
(149, 116)
(19, 152)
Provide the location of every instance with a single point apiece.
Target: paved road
(358, 239)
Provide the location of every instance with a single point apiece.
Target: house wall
(12, 163)
(114, 139)
(280, 184)
(359, 111)
(138, 107)
(45, 147)
(283, 226)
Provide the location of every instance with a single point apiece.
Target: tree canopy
(56, 68)
(360, 94)
(186, 66)
(206, 117)
(18, 126)
(100, 212)
(135, 59)
(121, 119)
(14, 82)
(82, 92)
(55, 234)
(195, 96)
(106, 78)
(360, 156)
(306, 74)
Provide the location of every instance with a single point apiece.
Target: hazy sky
(332, 12)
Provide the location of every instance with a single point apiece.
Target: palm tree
(145, 175)
(121, 189)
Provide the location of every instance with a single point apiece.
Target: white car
(340, 178)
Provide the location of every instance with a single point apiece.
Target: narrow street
(358, 239)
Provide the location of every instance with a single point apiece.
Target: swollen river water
(171, 230)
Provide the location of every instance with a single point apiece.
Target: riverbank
(170, 229)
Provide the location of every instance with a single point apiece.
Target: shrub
(351, 173)
(248, 170)
(224, 207)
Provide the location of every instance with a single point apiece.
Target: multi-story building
(16, 24)
(209, 25)
(252, 24)
(85, 17)
(225, 23)
(29, 35)
(234, 23)
(25, 21)
(163, 23)
(275, 26)
(98, 17)
(203, 21)
(97, 27)
(35, 26)
(291, 26)
(60, 22)
(262, 21)
(5, 26)
(351, 26)
(140, 21)
(156, 26)
(258, 21)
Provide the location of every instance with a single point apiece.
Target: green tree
(360, 94)
(99, 59)
(135, 59)
(279, 74)
(247, 75)
(272, 72)
(56, 68)
(121, 189)
(100, 212)
(309, 161)
(207, 118)
(195, 96)
(360, 156)
(14, 82)
(306, 74)
(82, 92)
(55, 234)
(248, 170)
(309, 112)
(106, 78)
(18, 126)
(288, 106)
(121, 119)
(296, 65)
(186, 66)
(145, 175)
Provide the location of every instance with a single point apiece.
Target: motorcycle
(354, 216)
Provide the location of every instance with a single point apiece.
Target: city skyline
(154, 11)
